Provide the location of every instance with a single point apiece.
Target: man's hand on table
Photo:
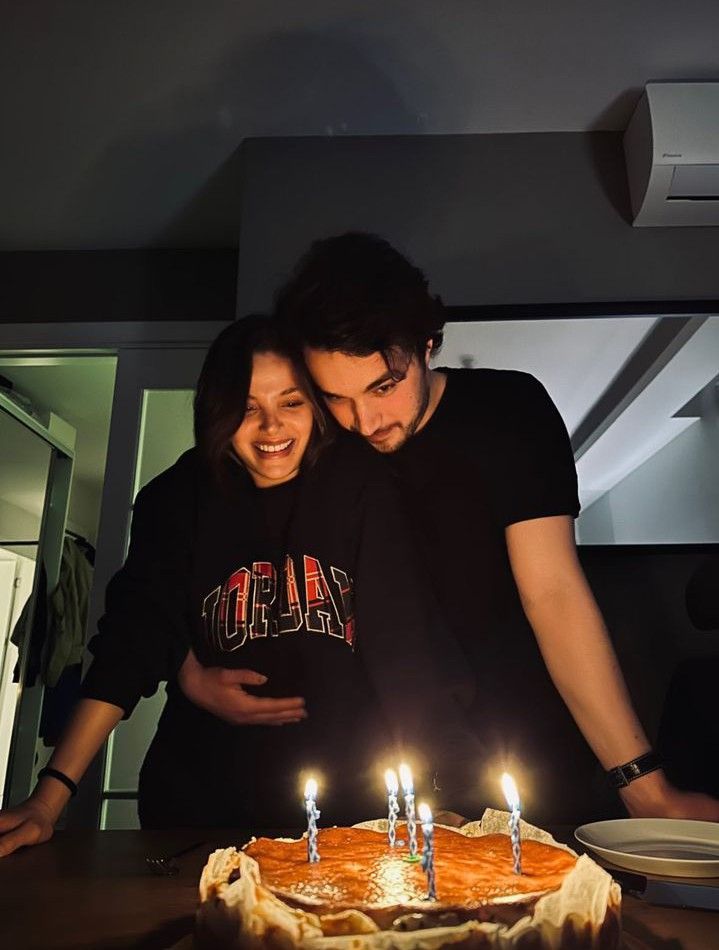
(219, 691)
(652, 796)
(30, 823)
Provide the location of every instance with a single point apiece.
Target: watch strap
(622, 775)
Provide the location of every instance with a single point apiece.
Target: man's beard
(409, 430)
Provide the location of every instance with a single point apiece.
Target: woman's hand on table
(652, 796)
(220, 691)
(33, 821)
(30, 823)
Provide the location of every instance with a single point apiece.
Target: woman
(275, 547)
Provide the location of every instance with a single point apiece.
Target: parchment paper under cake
(583, 912)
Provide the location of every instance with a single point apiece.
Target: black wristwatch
(622, 775)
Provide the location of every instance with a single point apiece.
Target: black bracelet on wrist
(60, 776)
(622, 775)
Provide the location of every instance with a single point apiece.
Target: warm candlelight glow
(510, 791)
(390, 777)
(425, 813)
(405, 777)
(310, 789)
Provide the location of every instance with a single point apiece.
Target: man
(488, 470)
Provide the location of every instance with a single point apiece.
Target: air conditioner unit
(672, 151)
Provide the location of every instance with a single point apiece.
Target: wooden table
(92, 891)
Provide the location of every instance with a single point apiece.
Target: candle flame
(425, 813)
(510, 791)
(310, 789)
(390, 777)
(405, 777)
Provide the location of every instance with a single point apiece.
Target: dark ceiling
(122, 119)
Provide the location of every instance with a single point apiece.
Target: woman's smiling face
(273, 436)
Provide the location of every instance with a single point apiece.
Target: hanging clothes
(37, 633)
(67, 614)
(65, 638)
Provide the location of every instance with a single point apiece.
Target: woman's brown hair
(224, 384)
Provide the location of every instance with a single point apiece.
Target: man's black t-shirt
(496, 452)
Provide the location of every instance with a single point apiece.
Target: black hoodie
(314, 583)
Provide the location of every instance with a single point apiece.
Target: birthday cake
(365, 895)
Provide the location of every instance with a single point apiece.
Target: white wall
(672, 498)
(17, 524)
(84, 509)
(166, 432)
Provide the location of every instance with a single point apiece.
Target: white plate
(669, 846)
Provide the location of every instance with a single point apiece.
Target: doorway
(147, 424)
(55, 400)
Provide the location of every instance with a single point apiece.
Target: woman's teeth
(269, 448)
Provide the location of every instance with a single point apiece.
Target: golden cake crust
(363, 896)
(360, 871)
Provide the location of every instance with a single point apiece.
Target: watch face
(617, 777)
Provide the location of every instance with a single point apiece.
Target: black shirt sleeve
(535, 472)
(144, 634)
(397, 621)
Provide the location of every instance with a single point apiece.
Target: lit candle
(390, 777)
(405, 777)
(313, 854)
(425, 816)
(512, 795)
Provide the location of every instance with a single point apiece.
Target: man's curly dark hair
(356, 294)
